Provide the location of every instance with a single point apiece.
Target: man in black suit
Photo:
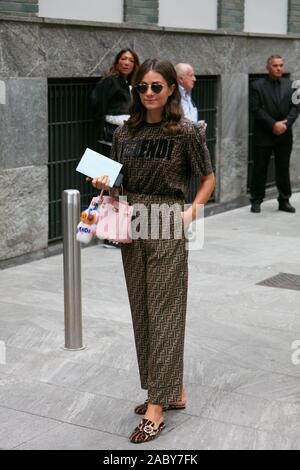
(274, 114)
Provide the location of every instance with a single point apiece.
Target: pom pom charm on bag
(86, 229)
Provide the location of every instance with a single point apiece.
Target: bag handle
(101, 195)
(113, 192)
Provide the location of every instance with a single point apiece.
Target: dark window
(205, 98)
(71, 130)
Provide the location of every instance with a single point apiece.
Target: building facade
(48, 41)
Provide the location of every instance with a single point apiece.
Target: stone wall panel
(24, 123)
(23, 211)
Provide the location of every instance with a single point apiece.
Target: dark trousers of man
(261, 160)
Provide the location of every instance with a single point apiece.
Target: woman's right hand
(101, 182)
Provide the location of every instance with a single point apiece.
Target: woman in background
(111, 97)
(111, 100)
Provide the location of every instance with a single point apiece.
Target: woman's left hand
(101, 182)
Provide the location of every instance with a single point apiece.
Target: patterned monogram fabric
(157, 169)
(154, 163)
(156, 273)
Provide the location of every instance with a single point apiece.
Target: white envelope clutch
(94, 164)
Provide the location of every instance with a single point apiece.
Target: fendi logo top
(154, 163)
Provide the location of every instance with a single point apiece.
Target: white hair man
(186, 80)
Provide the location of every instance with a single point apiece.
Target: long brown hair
(114, 67)
(172, 112)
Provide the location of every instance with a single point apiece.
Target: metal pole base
(73, 349)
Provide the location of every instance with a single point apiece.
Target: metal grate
(282, 281)
(205, 98)
(71, 129)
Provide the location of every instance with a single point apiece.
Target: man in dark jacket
(274, 114)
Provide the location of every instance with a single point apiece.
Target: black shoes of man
(286, 207)
(283, 206)
(255, 206)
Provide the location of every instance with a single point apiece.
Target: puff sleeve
(197, 153)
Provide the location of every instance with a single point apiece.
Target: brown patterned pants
(156, 273)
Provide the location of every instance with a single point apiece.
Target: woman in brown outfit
(160, 151)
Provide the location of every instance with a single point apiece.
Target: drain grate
(282, 281)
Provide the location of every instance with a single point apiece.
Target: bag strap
(113, 192)
(101, 195)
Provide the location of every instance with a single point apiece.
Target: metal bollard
(72, 270)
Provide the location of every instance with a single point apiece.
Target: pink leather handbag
(114, 220)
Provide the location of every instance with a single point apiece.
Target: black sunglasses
(142, 88)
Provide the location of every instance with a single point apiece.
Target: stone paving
(243, 386)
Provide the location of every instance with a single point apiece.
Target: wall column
(231, 14)
(19, 7)
(294, 16)
(233, 138)
(141, 11)
(23, 166)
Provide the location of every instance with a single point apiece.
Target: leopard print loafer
(141, 409)
(146, 431)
